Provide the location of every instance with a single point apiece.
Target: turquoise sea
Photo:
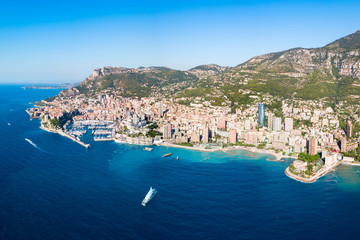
(53, 188)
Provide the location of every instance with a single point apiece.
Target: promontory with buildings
(299, 103)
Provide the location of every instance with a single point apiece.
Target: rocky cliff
(342, 55)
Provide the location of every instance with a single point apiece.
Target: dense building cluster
(295, 130)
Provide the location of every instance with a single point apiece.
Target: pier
(66, 135)
(73, 138)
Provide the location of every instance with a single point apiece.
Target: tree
(153, 133)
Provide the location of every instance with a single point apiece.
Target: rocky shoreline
(311, 179)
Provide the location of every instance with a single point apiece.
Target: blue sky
(63, 41)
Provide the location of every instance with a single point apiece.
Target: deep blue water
(57, 189)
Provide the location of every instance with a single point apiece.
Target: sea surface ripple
(61, 190)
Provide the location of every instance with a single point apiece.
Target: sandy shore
(186, 147)
(277, 156)
(252, 150)
(319, 174)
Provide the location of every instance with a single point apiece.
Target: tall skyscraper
(261, 110)
(167, 131)
(313, 146)
(177, 129)
(349, 129)
(205, 135)
(233, 136)
(161, 110)
(277, 124)
(270, 121)
(343, 144)
(289, 124)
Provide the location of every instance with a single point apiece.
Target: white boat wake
(36, 146)
(31, 142)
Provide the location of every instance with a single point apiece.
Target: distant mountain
(327, 72)
(209, 67)
(207, 70)
(140, 82)
(52, 86)
(342, 55)
(331, 72)
(350, 42)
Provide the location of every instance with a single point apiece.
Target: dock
(74, 139)
(103, 139)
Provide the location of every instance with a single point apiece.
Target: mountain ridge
(286, 74)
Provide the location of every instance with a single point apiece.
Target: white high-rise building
(289, 124)
(276, 124)
(161, 110)
(270, 121)
(167, 131)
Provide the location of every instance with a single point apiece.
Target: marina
(75, 139)
(90, 130)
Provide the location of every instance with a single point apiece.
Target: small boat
(149, 196)
(177, 158)
(166, 155)
(147, 149)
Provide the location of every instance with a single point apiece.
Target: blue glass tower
(261, 115)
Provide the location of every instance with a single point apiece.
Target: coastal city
(180, 120)
(309, 133)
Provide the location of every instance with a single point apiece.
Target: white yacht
(149, 196)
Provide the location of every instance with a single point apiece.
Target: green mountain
(342, 56)
(128, 82)
(141, 82)
(330, 73)
(350, 42)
